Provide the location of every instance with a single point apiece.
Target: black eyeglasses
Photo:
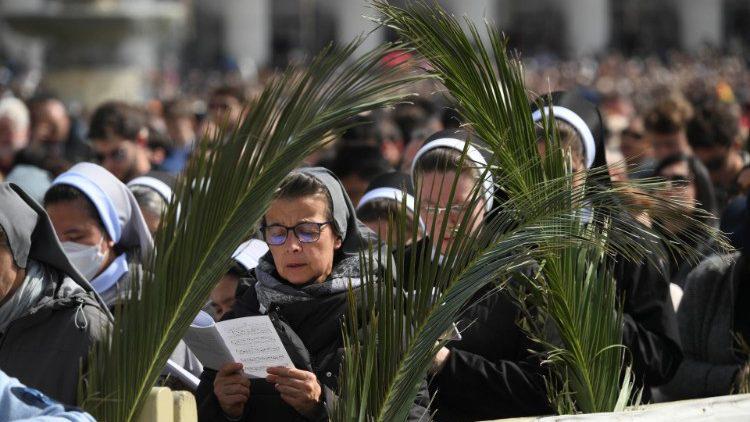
(117, 155)
(276, 234)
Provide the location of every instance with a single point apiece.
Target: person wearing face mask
(302, 285)
(101, 227)
(49, 314)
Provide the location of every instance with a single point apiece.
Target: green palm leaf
(218, 202)
(387, 357)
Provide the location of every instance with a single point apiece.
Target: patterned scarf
(271, 288)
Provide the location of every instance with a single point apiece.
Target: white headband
(391, 193)
(569, 116)
(151, 182)
(488, 186)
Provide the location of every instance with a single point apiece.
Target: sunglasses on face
(276, 234)
(117, 155)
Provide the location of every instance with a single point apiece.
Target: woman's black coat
(311, 333)
(491, 372)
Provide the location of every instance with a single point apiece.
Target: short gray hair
(148, 199)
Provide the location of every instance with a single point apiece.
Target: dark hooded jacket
(46, 346)
(308, 319)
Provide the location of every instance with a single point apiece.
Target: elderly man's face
(10, 275)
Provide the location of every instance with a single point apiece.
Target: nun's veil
(354, 234)
(582, 114)
(31, 235)
(115, 204)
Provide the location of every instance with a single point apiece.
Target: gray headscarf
(354, 234)
(114, 203)
(31, 235)
(346, 267)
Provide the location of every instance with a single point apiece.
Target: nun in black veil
(49, 314)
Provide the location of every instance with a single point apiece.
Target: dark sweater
(706, 319)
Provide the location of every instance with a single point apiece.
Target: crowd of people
(81, 199)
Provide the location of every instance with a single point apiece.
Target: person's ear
(337, 244)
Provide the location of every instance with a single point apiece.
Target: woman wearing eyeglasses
(489, 373)
(689, 182)
(301, 283)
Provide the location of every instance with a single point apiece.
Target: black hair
(704, 190)
(363, 161)
(116, 118)
(715, 123)
(363, 130)
(668, 116)
(670, 161)
(157, 139)
(66, 193)
(411, 115)
(384, 209)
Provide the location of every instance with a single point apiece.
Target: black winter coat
(650, 324)
(490, 373)
(311, 333)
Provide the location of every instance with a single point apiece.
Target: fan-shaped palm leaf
(219, 200)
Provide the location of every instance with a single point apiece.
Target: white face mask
(87, 259)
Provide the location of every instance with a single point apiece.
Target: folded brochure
(252, 341)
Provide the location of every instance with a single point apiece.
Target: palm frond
(391, 338)
(219, 200)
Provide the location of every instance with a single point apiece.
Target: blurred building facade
(122, 44)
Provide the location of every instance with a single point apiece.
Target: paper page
(254, 342)
(249, 253)
(206, 343)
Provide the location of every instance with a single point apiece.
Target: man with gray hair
(14, 131)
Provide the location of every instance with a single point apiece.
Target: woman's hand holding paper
(300, 389)
(232, 388)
